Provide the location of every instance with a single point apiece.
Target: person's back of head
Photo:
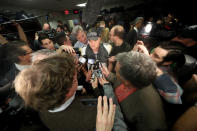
(46, 84)
(15, 49)
(60, 37)
(42, 54)
(119, 31)
(136, 68)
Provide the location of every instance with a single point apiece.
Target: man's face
(158, 54)
(48, 44)
(118, 76)
(26, 59)
(81, 36)
(94, 44)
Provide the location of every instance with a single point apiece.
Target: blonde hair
(44, 85)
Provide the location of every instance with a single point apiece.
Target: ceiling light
(82, 5)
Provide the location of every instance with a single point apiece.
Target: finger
(111, 109)
(99, 107)
(101, 81)
(70, 51)
(105, 107)
(114, 113)
(73, 50)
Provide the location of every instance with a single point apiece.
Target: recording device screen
(91, 61)
(82, 60)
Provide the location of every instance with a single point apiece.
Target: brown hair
(119, 31)
(44, 86)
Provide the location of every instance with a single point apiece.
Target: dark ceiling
(60, 5)
(57, 5)
(182, 8)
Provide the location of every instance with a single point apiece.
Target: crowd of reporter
(55, 83)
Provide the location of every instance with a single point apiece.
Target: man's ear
(167, 63)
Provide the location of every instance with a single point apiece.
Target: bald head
(118, 31)
(46, 26)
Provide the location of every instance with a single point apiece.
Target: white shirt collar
(136, 29)
(21, 67)
(63, 106)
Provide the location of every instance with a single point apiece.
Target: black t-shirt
(125, 47)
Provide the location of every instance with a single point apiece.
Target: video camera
(50, 33)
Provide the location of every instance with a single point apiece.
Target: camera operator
(20, 30)
(46, 29)
(46, 42)
(62, 39)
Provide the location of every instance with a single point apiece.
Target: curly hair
(44, 86)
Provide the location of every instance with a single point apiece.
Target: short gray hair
(138, 19)
(43, 52)
(137, 68)
(76, 30)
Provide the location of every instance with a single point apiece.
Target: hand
(135, 48)
(159, 71)
(84, 70)
(139, 42)
(105, 117)
(14, 23)
(95, 83)
(68, 49)
(111, 59)
(83, 91)
(79, 67)
(143, 49)
(88, 75)
(36, 36)
(105, 71)
(103, 81)
(140, 48)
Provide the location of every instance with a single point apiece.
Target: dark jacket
(125, 47)
(132, 38)
(77, 117)
(9, 76)
(142, 110)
